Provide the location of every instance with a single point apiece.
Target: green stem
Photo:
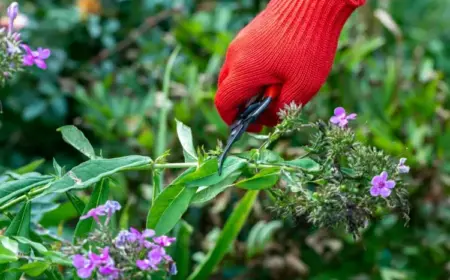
(178, 165)
(163, 116)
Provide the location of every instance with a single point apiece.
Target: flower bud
(13, 10)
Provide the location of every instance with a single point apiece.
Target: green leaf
(57, 258)
(77, 203)
(37, 246)
(9, 250)
(185, 136)
(232, 228)
(76, 138)
(20, 225)
(181, 253)
(58, 168)
(260, 234)
(207, 175)
(30, 167)
(35, 268)
(169, 207)
(265, 179)
(306, 164)
(207, 193)
(99, 196)
(13, 189)
(92, 171)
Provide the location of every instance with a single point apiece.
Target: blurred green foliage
(106, 76)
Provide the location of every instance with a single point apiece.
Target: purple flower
(164, 241)
(95, 213)
(143, 264)
(84, 266)
(37, 57)
(341, 118)
(382, 186)
(112, 206)
(102, 259)
(12, 12)
(173, 269)
(109, 270)
(156, 255)
(401, 167)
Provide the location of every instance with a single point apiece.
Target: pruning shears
(250, 114)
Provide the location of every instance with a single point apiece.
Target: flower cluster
(103, 263)
(131, 253)
(339, 181)
(13, 53)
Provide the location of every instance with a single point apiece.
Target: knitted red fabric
(292, 43)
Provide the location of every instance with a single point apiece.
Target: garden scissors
(250, 114)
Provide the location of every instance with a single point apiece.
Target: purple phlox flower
(123, 238)
(341, 118)
(173, 269)
(112, 206)
(84, 266)
(37, 57)
(381, 185)
(164, 241)
(102, 259)
(143, 264)
(156, 255)
(402, 168)
(141, 238)
(12, 12)
(110, 271)
(95, 213)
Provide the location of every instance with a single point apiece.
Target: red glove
(291, 43)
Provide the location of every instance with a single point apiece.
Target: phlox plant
(15, 54)
(338, 182)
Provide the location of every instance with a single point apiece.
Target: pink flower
(95, 213)
(84, 266)
(381, 185)
(341, 118)
(164, 241)
(37, 57)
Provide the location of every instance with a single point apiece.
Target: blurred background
(106, 75)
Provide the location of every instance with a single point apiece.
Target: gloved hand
(291, 43)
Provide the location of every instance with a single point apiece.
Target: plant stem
(161, 140)
(177, 165)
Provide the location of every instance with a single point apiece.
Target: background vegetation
(106, 75)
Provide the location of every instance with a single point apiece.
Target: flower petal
(335, 120)
(351, 116)
(384, 175)
(143, 264)
(28, 60)
(376, 180)
(79, 261)
(26, 48)
(390, 184)
(85, 272)
(402, 161)
(374, 191)
(40, 63)
(385, 192)
(339, 111)
(44, 54)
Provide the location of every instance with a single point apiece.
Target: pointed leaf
(207, 175)
(92, 171)
(229, 233)
(76, 138)
(77, 203)
(169, 207)
(57, 167)
(207, 193)
(37, 246)
(185, 136)
(306, 164)
(181, 253)
(9, 250)
(99, 196)
(13, 189)
(30, 167)
(265, 179)
(34, 269)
